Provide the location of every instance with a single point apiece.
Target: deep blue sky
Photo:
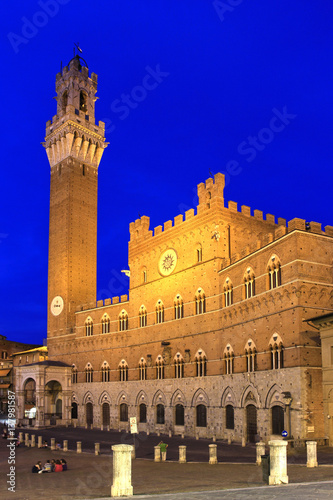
(226, 73)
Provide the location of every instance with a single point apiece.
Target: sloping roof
(42, 348)
(4, 373)
(47, 363)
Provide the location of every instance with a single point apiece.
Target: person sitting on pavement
(58, 466)
(47, 466)
(37, 467)
(64, 464)
(45, 445)
(52, 465)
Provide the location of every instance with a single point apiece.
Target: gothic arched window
(123, 371)
(123, 321)
(249, 283)
(201, 363)
(178, 307)
(143, 369)
(179, 366)
(274, 272)
(142, 316)
(159, 367)
(105, 324)
(159, 312)
(200, 302)
(89, 325)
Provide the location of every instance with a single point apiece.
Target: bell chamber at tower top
(73, 131)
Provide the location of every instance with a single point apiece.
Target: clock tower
(74, 145)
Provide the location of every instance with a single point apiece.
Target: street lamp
(288, 400)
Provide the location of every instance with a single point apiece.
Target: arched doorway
(89, 414)
(251, 423)
(277, 419)
(53, 401)
(201, 416)
(74, 410)
(106, 414)
(180, 414)
(30, 400)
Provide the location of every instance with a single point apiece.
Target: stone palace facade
(212, 339)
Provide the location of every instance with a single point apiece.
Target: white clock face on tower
(57, 305)
(167, 262)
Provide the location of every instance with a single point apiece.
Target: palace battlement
(210, 196)
(294, 224)
(102, 303)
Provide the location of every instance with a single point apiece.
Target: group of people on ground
(50, 466)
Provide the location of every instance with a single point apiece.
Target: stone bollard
(40, 442)
(53, 444)
(229, 439)
(170, 433)
(147, 432)
(97, 449)
(243, 442)
(311, 452)
(33, 440)
(158, 433)
(122, 471)
(86, 426)
(21, 437)
(197, 437)
(65, 445)
(278, 462)
(74, 425)
(213, 454)
(182, 436)
(26, 440)
(157, 453)
(182, 454)
(78, 447)
(260, 447)
(214, 439)
(102, 427)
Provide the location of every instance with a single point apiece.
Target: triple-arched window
(277, 352)
(105, 372)
(249, 283)
(228, 292)
(228, 357)
(123, 321)
(159, 312)
(89, 372)
(142, 316)
(178, 307)
(179, 366)
(200, 301)
(251, 356)
(74, 374)
(201, 363)
(105, 323)
(123, 371)
(274, 272)
(159, 367)
(89, 325)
